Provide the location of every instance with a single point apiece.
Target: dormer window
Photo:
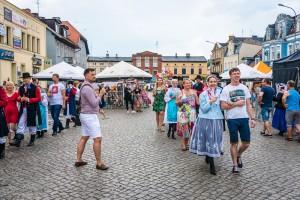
(298, 25)
(56, 28)
(280, 30)
(268, 35)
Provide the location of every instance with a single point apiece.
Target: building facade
(76, 37)
(148, 61)
(186, 66)
(240, 47)
(22, 42)
(100, 63)
(217, 58)
(59, 47)
(281, 38)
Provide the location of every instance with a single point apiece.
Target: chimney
(188, 55)
(231, 37)
(27, 10)
(116, 55)
(107, 54)
(175, 54)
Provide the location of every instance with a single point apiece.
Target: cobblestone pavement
(145, 164)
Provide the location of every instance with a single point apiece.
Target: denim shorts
(236, 126)
(265, 113)
(292, 117)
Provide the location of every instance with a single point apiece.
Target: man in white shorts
(89, 103)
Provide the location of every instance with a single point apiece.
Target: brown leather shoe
(102, 167)
(78, 164)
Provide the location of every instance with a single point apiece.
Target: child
(145, 98)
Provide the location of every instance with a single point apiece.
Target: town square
(149, 100)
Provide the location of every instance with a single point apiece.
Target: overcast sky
(125, 27)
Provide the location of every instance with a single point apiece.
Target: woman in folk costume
(70, 112)
(206, 139)
(11, 110)
(278, 121)
(171, 107)
(3, 124)
(29, 97)
(41, 129)
(186, 115)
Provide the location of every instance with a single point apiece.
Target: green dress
(159, 102)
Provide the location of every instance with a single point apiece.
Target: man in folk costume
(29, 97)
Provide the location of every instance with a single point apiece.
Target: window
(147, 62)
(65, 33)
(278, 52)
(268, 35)
(155, 61)
(62, 50)
(257, 60)
(175, 70)
(296, 46)
(33, 44)
(57, 28)
(9, 36)
(200, 71)
(138, 61)
(29, 46)
(272, 53)
(57, 49)
(298, 25)
(192, 70)
(183, 71)
(266, 54)
(154, 72)
(23, 40)
(290, 49)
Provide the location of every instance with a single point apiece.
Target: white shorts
(90, 125)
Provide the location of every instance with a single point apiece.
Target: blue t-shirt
(293, 100)
(267, 98)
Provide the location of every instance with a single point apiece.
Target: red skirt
(11, 114)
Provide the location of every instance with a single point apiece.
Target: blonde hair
(76, 83)
(10, 82)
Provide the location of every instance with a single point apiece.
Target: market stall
(63, 69)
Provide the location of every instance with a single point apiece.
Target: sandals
(289, 139)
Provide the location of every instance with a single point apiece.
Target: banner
(17, 43)
(19, 20)
(2, 30)
(6, 55)
(7, 14)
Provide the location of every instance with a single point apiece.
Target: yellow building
(186, 66)
(22, 42)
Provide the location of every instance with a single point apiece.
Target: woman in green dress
(159, 103)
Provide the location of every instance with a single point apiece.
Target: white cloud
(180, 26)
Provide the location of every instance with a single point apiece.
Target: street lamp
(280, 4)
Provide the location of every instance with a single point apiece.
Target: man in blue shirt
(265, 100)
(290, 100)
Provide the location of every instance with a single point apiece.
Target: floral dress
(186, 115)
(159, 102)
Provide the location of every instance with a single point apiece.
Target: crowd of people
(193, 111)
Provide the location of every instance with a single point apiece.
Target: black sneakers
(240, 163)
(235, 170)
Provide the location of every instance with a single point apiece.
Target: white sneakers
(133, 111)
(127, 111)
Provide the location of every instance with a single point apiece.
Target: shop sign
(2, 30)
(17, 32)
(7, 14)
(17, 43)
(48, 62)
(6, 55)
(19, 20)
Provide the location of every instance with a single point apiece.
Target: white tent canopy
(247, 73)
(123, 70)
(79, 69)
(63, 69)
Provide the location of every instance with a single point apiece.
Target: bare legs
(237, 152)
(13, 127)
(161, 121)
(290, 130)
(157, 121)
(267, 127)
(96, 147)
